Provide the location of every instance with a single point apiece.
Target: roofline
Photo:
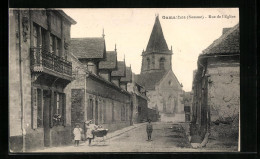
(157, 83)
(109, 83)
(218, 55)
(62, 13)
(87, 38)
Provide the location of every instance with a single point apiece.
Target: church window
(148, 63)
(162, 61)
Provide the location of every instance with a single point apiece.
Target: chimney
(225, 30)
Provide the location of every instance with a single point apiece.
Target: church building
(164, 90)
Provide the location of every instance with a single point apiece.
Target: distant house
(96, 93)
(164, 89)
(140, 102)
(216, 87)
(187, 100)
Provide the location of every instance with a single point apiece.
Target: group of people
(90, 127)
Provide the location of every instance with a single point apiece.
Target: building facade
(94, 93)
(216, 88)
(40, 72)
(164, 89)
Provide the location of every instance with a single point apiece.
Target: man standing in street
(149, 130)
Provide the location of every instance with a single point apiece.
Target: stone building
(40, 72)
(139, 101)
(164, 89)
(95, 93)
(216, 88)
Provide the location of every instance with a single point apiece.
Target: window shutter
(34, 108)
(64, 109)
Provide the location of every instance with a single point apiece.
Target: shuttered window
(37, 108)
(58, 110)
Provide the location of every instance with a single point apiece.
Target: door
(46, 117)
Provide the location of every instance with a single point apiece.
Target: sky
(130, 30)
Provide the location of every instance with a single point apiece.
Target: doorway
(46, 117)
(96, 113)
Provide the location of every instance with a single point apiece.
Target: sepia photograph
(85, 80)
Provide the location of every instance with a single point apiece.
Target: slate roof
(157, 42)
(128, 77)
(149, 80)
(227, 43)
(110, 61)
(120, 71)
(88, 48)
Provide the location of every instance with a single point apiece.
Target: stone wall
(224, 97)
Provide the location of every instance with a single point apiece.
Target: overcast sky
(130, 29)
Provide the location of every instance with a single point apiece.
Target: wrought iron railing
(43, 59)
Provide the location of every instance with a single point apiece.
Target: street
(166, 137)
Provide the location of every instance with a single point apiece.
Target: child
(149, 130)
(90, 127)
(77, 134)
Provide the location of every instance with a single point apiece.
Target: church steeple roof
(157, 42)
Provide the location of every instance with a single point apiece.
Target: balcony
(45, 62)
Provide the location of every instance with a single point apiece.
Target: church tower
(157, 57)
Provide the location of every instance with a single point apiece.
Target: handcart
(99, 135)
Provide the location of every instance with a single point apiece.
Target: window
(59, 109)
(90, 110)
(58, 104)
(148, 64)
(58, 47)
(104, 111)
(139, 109)
(126, 113)
(162, 61)
(52, 44)
(113, 114)
(123, 113)
(35, 35)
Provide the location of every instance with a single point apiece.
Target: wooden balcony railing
(42, 60)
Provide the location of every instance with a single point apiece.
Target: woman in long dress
(90, 127)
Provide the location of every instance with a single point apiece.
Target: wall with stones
(224, 96)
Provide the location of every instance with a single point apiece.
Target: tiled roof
(120, 71)
(128, 77)
(110, 61)
(157, 42)
(228, 43)
(87, 48)
(149, 80)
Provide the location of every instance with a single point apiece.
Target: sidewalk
(72, 148)
(121, 131)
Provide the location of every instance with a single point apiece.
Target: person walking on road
(149, 130)
(90, 127)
